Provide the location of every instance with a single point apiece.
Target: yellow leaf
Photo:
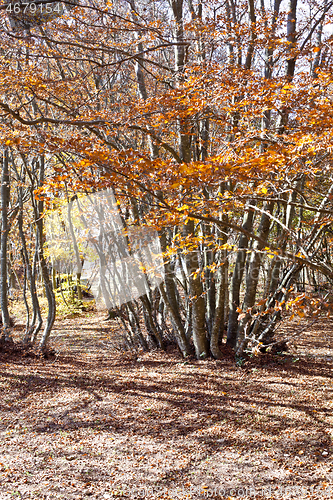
(316, 49)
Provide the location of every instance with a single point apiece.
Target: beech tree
(211, 122)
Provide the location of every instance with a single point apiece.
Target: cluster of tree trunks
(205, 141)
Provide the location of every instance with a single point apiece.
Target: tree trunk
(219, 318)
(252, 277)
(196, 297)
(234, 300)
(5, 193)
(44, 270)
(30, 279)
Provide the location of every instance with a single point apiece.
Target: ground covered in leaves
(88, 422)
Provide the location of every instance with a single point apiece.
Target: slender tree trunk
(44, 270)
(5, 194)
(184, 138)
(151, 327)
(252, 277)
(319, 35)
(237, 277)
(253, 35)
(136, 325)
(37, 320)
(219, 317)
(30, 279)
(291, 59)
(76, 250)
(181, 338)
(196, 297)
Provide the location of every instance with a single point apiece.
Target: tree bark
(219, 317)
(196, 297)
(252, 277)
(237, 277)
(44, 270)
(5, 194)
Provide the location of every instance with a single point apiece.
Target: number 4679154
(32, 7)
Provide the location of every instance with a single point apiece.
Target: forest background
(206, 129)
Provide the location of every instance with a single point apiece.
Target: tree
(209, 122)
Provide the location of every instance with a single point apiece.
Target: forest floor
(92, 423)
